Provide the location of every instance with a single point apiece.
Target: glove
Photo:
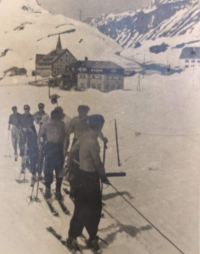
(105, 180)
(105, 140)
(64, 172)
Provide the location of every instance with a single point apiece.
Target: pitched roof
(38, 57)
(190, 53)
(96, 65)
(52, 56)
(102, 65)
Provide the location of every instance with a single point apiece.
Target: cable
(160, 135)
(147, 219)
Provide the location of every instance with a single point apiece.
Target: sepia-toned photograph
(100, 126)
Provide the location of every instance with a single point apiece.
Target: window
(55, 72)
(96, 77)
(61, 66)
(61, 60)
(198, 61)
(186, 61)
(82, 77)
(193, 61)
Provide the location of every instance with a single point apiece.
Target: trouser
(15, 135)
(41, 161)
(29, 148)
(88, 204)
(54, 160)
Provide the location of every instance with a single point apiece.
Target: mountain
(161, 19)
(26, 29)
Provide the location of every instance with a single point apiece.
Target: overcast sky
(71, 8)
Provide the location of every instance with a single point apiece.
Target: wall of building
(115, 82)
(186, 63)
(102, 82)
(83, 81)
(60, 64)
(43, 70)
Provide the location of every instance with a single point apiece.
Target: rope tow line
(148, 220)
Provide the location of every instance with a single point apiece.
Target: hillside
(27, 29)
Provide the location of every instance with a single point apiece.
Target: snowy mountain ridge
(164, 18)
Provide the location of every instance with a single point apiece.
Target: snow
(159, 137)
(162, 166)
(40, 33)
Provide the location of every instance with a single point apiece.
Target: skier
(54, 132)
(40, 118)
(28, 138)
(78, 125)
(66, 119)
(86, 184)
(15, 131)
(41, 114)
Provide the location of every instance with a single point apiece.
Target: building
(15, 71)
(54, 63)
(102, 75)
(190, 57)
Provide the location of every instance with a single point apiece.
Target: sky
(81, 9)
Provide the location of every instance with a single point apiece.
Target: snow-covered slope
(161, 161)
(27, 29)
(164, 18)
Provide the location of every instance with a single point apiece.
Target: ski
(21, 181)
(51, 208)
(63, 207)
(60, 239)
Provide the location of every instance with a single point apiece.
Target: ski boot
(15, 156)
(47, 194)
(33, 180)
(93, 244)
(23, 170)
(72, 244)
(59, 196)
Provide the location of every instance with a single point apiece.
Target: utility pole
(144, 66)
(138, 84)
(80, 14)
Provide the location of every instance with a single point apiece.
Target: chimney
(86, 59)
(193, 51)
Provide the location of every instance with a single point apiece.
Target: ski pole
(117, 144)
(104, 153)
(31, 196)
(147, 220)
(38, 182)
(104, 160)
